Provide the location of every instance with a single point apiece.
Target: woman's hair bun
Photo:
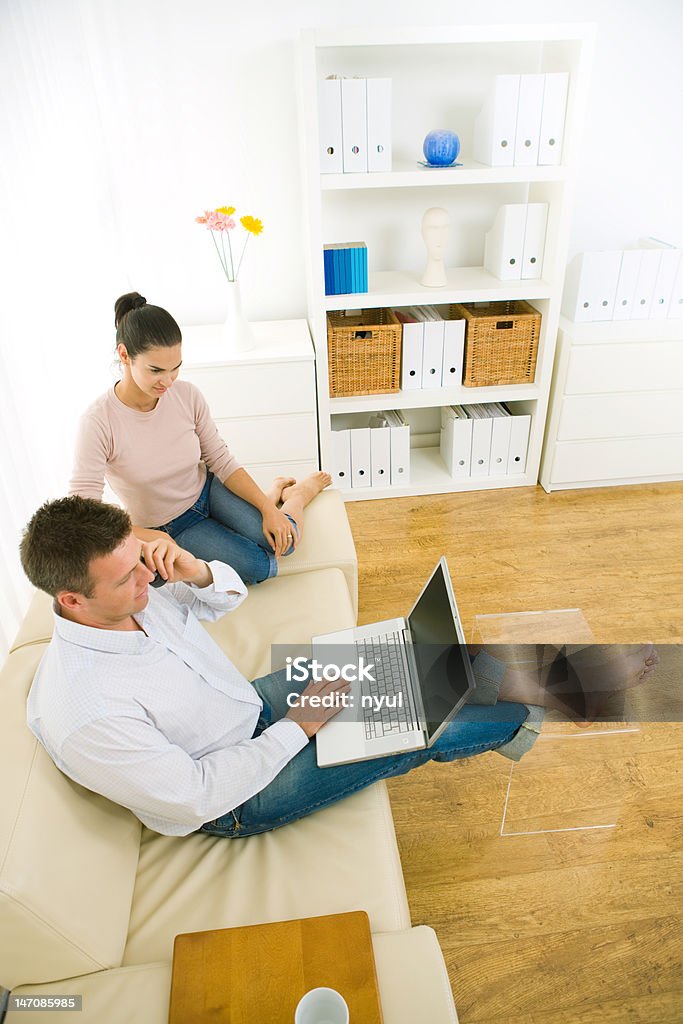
(124, 304)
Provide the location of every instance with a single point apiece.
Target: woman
(151, 437)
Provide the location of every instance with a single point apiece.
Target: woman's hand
(278, 530)
(174, 563)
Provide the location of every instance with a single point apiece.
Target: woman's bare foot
(308, 488)
(278, 485)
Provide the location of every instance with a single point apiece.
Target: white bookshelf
(440, 78)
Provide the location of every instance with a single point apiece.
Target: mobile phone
(158, 580)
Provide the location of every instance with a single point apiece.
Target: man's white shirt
(159, 721)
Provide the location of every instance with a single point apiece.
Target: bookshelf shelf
(439, 77)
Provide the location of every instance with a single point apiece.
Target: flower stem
(242, 256)
(218, 252)
(232, 262)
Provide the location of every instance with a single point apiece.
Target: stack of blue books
(346, 268)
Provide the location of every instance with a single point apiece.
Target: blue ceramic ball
(441, 147)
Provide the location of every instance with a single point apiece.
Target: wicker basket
(364, 349)
(501, 342)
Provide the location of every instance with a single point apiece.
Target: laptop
(422, 657)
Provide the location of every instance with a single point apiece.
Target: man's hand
(175, 564)
(277, 529)
(311, 718)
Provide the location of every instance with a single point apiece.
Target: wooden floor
(537, 924)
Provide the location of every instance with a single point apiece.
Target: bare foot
(278, 485)
(308, 488)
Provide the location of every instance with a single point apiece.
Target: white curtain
(59, 269)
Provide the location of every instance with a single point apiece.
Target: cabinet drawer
(617, 459)
(256, 389)
(650, 366)
(271, 438)
(623, 415)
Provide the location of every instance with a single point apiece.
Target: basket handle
(504, 325)
(362, 335)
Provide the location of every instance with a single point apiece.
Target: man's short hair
(64, 536)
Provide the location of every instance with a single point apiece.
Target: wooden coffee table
(260, 972)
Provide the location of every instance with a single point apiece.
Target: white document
(341, 458)
(494, 129)
(534, 240)
(500, 443)
(453, 348)
(354, 124)
(645, 285)
(379, 124)
(504, 245)
(482, 429)
(432, 354)
(411, 349)
(529, 111)
(380, 456)
(626, 287)
(519, 442)
(330, 126)
(555, 90)
(603, 270)
(360, 457)
(400, 448)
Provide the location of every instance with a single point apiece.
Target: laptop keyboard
(390, 680)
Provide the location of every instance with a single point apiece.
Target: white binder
(529, 111)
(400, 448)
(626, 287)
(534, 240)
(432, 353)
(360, 457)
(576, 298)
(340, 447)
(555, 90)
(666, 277)
(379, 124)
(330, 126)
(603, 270)
(519, 442)
(504, 245)
(411, 349)
(645, 285)
(456, 441)
(453, 348)
(494, 129)
(354, 124)
(500, 442)
(482, 429)
(380, 456)
(676, 304)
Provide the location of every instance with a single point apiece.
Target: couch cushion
(342, 858)
(67, 858)
(411, 976)
(327, 542)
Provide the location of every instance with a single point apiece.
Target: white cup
(322, 1006)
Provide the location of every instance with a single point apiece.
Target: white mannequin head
(435, 225)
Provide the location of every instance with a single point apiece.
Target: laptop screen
(443, 664)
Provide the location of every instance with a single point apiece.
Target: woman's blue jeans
(223, 527)
(302, 787)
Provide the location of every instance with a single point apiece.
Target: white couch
(90, 900)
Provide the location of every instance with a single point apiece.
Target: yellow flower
(252, 224)
(227, 210)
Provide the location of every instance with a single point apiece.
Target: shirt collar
(112, 641)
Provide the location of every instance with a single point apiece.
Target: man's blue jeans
(222, 526)
(302, 787)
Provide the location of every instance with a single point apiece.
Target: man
(135, 701)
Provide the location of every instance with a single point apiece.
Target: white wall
(120, 120)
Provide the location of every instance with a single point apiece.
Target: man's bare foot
(278, 485)
(308, 488)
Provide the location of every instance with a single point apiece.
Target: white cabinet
(263, 401)
(440, 77)
(616, 412)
